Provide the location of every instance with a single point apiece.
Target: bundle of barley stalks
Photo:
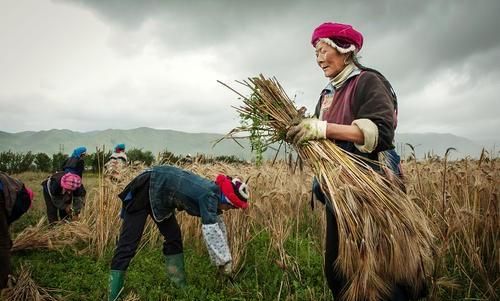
(27, 289)
(51, 237)
(384, 237)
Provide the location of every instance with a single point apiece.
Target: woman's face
(329, 59)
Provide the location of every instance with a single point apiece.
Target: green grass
(82, 277)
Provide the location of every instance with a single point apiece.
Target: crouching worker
(158, 192)
(15, 200)
(64, 196)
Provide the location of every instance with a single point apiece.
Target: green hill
(53, 141)
(181, 143)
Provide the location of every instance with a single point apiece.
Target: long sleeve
(77, 204)
(373, 102)
(215, 237)
(222, 225)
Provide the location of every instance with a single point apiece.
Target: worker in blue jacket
(159, 192)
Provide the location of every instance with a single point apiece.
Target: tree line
(13, 163)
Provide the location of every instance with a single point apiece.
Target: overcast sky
(94, 65)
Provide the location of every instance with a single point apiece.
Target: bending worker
(15, 200)
(158, 192)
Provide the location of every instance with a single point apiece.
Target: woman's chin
(327, 73)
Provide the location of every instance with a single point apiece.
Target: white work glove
(307, 129)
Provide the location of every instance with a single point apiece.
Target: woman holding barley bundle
(357, 110)
(15, 200)
(159, 192)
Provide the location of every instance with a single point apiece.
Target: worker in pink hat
(64, 195)
(161, 191)
(15, 199)
(358, 111)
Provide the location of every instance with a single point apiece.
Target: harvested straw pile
(132, 297)
(384, 237)
(27, 289)
(43, 236)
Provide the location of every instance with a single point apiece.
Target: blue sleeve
(208, 209)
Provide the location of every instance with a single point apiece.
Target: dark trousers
(131, 233)
(53, 213)
(5, 245)
(335, 279)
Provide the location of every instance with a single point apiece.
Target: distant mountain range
(437, 144)
(53, 141)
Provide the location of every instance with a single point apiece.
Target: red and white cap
(235, 190)
(341, 36)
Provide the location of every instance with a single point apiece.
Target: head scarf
(71, 181)
(342, 35)
(234, 190)
(30, 193)
(119, 147)
(79, 151)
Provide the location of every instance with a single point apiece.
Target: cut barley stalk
(26, 289)
(51, 237)
(384, 237)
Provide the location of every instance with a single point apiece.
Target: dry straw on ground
(384, 237)
(43, 236)
(27, 289)
(132, 297)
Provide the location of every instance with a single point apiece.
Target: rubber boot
(175, 269)
(116, 279)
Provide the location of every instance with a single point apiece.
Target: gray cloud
(404, 38)
(437, 54)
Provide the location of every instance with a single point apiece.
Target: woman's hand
(226, 269)
(307, 129)
(69, 210)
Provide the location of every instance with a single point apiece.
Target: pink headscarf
(343, 33)
(71, 181)
(30, 194)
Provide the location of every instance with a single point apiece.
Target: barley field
(276, 244)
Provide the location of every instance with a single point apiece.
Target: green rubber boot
(175, 269)
(116, 279)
